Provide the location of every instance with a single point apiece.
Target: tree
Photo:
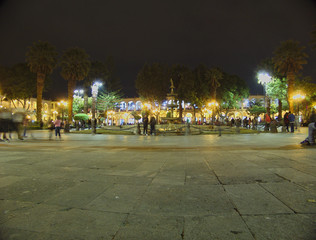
(183, 80)
(276, 89)
(232, 91)
(214, 76)
(152, 82)
(18, 83)
(41, 57)
(108, 100)
(305, 86)
(112, 82)
(288, 60)
(98, 71)
(75, 66)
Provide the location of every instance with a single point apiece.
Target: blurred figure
(5, 122)
(57, 125)
(17, 119)
(145, 124)
(292, 121)
(25, 125)
(51, 127)
(152, 126)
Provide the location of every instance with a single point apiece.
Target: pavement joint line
(230, 200)
(277, 198)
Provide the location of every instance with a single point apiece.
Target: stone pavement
(259, 186)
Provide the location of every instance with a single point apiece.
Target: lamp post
(213, 105)
(77, 92)
(95, 89)
(297, 98)
(264, 79)
(62, 104)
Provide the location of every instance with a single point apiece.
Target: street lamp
(213, 105)
(297, 98)
(95, 89)
(77, 92)
(62, 104)
(263, 79)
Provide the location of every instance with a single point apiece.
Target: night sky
(233, 35)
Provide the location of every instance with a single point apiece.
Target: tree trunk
(85, 102)
(268, 106)
(290, 90)
(280, 110)
(71, 88)
(39, 89)
(180, 110)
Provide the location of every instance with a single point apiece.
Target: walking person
(286, 121)
(292, 121)
(17, 120)
(51, 128)
(152, 126)
(57, 125)
(25, 125)
(5, 123)
(145, 124)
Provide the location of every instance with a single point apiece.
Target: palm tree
(98, 71)
(42, 59)
(214, 75)
(75, 66)
(288, 60)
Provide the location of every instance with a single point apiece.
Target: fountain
(171, 119)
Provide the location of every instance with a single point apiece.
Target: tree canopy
(152, 82)
(41, 57)
(288, 60)
(18, 83)
(75, 66)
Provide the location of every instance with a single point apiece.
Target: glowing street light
(95, 89)
(62, 104)
(263, 79)
(297, 98)
(77, 92)
(213, 105)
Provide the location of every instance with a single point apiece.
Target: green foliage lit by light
(108, 100)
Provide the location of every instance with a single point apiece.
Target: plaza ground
(249, 186)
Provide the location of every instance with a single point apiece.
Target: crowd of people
(18, 123)
(10, 123)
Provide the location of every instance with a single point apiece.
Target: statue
(172, 86)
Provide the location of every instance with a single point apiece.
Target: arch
(45, 106)
(123, 106)
(138, 105)
(131, 106)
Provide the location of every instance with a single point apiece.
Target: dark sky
(233, 35)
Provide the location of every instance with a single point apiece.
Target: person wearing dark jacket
(152, 126)
(145, 124)
(310, 140)
(292, 121)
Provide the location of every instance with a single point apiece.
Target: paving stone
(187, 200)
(293, 175)
(253, 199)
(68, 223)
(297, 198)
(8, 180)
(153, 227)
(177, 187)
(33, 189)
(282, 227)
(118, 198)
(79, 195)
(224, 227)
(11, 208)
